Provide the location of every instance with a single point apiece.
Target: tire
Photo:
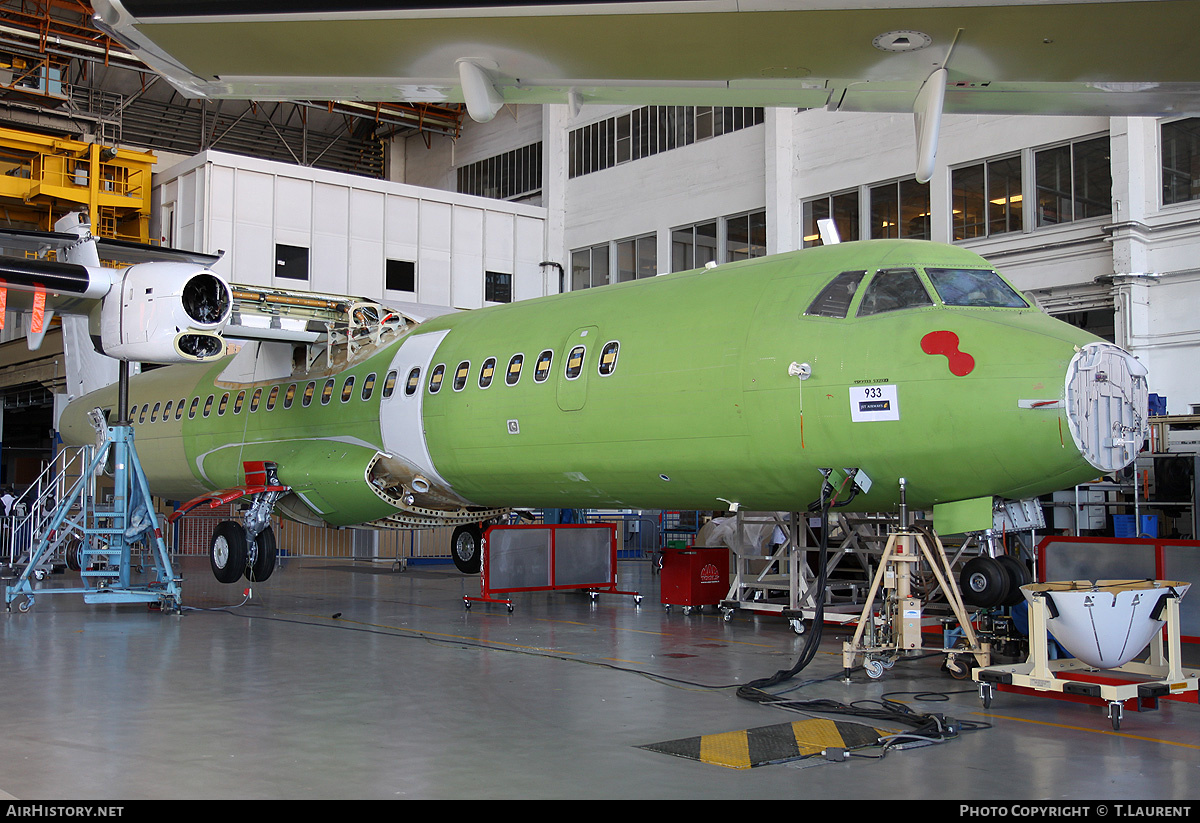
(228, 552)
(264, 561)
(466, 548)
(984, 582)
(1018, 574)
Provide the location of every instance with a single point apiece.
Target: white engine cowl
(165, 312)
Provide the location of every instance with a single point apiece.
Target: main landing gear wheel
(984, 582)
(264, 560)
(228, 552)
(466, 548)
(1018, 576)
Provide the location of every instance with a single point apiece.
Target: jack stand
(900, 632)
(107, 536)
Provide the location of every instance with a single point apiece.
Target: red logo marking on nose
(946, 342)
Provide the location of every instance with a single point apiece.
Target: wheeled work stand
(108, 536)
(1162, 675)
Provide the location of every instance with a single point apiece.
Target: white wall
(351, 226)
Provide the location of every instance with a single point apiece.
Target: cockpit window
(834, 299)
(892, 290)
(974, 287)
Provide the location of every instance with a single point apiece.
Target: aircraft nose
(1107, 399)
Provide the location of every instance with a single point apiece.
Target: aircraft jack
(900, 632)
(108, 536)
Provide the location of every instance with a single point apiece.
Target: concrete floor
(345, 680)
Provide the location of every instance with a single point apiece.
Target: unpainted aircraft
(754, 383)
(1106, 57)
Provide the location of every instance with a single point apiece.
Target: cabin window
(435, 378)
(192, 408)
(179, 408)
(255, 399)
(154, 412)
(413, 382)
(208, 404)
(460, 375)
(132, 412)
(834, 300)
(348, 389)
(487, 372)
(289, 396)
(608, 358)
(224, 402)
(327, 391)
(974, 287)
(389, 384)
(167, 411)
(272, 397)
(514, 369)
(142, 416)
(309, 390)
(239, 402)
(892, 290)
(542, 370)
(575, 362)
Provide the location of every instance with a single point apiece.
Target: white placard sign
(871, 403)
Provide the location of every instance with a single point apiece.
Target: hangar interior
(362, 668)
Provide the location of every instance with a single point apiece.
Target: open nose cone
(1105, 623)
(1107, 403)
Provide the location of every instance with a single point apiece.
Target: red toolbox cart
(694, 577)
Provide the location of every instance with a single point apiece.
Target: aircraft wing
(1136, 57)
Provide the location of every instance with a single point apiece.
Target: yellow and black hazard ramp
(770, 744)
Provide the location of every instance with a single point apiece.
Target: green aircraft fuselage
(691, 390)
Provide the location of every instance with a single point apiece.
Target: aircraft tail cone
(1105, 623)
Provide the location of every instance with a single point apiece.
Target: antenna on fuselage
(828, 231)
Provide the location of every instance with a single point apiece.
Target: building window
(510, 176)
(497, 287)
(1181, 161)
(987, 198)
(745, 236)
(589, 267)
(651, 130)
(842, 208)
(900, 210)
(291, 262)
(400, 275)
(637, 257)
(1074, 182)
(693, 246)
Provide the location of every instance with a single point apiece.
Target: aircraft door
(578, 353)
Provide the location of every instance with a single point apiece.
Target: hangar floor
(348, 680)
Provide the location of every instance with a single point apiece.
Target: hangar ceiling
(59, 73)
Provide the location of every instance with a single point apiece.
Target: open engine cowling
(165, 312)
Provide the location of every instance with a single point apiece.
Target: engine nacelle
(165, 312)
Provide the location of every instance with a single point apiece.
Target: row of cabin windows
(512, 374)
(256, 398)
(574, 367)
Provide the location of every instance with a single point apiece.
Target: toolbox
(694, 576)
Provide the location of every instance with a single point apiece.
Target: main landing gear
(466, 548)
